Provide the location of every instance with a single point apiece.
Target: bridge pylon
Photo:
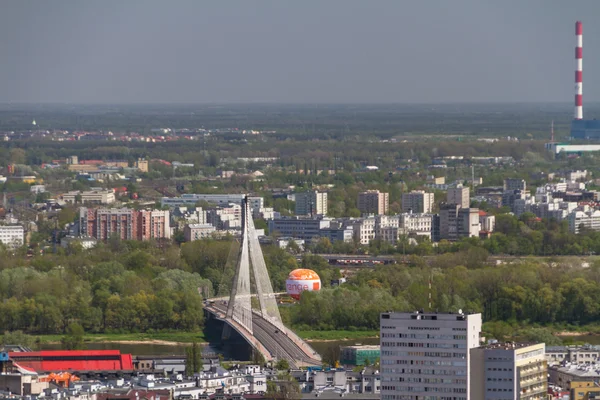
(250, 257)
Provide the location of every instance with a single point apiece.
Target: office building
(427, 355)
(515, 184)
(417, 201)
(373, 202)
(459, 195)
(12, 236)
(502, 371)
(457, 223)
(299, 228)
(311, 203)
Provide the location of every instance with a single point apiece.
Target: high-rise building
(417, 201)
(426, 355)
(311, 203)
(459, 195)
(509, 371)
(373, 202)
(457, 223)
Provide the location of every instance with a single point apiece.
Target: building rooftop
(508, 345)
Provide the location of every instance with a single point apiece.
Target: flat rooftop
(508, 345)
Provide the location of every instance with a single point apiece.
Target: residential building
(198, 231)
(457, 223)
(124, 223)
(12, 236)
(578, 175)
(300, 228)
(427, 355)
(417, 201)
(562, 375)
(359, 355)
(416, 224)
(584, 390)
(364, 230)
(509, 371)
(311, 203)
(515, 184)
(96, 196)
(459, 195)
(577, 355)
(589, 219)
(487, 222)
(373, 202)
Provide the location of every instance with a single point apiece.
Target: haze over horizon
(338, 51)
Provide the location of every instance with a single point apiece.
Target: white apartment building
(506, 371)
(193, 232)
(427, 355)
(373, 202)
(588, 218)
(12, 236)
(364, 230)
(311, 203)
(416, 224)
(417, 201)
(459, 195)
(487, 222)
(97, 196)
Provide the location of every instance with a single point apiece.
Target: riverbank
(331, 336)
(165, 339)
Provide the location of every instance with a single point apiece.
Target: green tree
(73, 340)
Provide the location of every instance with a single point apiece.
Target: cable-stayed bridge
(251, 309)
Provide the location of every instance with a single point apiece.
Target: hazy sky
(303, 51)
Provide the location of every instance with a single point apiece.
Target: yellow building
(584, 390)
(509, 370)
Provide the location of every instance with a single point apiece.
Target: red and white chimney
(579, 71)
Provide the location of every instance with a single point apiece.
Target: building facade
(124, 223)
(373, 202)
(12, 236)
(457, 223)
(98, 196)
(311, 203)
(299, 228)
(198, 231)
(459, 195)
(427, 355)
(503, 371)
(515, 184)
(417, 201)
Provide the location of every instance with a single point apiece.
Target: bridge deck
(270, 341)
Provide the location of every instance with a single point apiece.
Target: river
(323, 347)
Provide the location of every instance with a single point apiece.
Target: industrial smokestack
(579, 71)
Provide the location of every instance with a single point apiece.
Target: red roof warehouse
(73, 360)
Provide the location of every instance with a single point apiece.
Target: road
(280, 344)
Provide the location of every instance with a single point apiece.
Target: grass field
(158, 338)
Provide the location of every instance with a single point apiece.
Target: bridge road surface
(278, 343)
